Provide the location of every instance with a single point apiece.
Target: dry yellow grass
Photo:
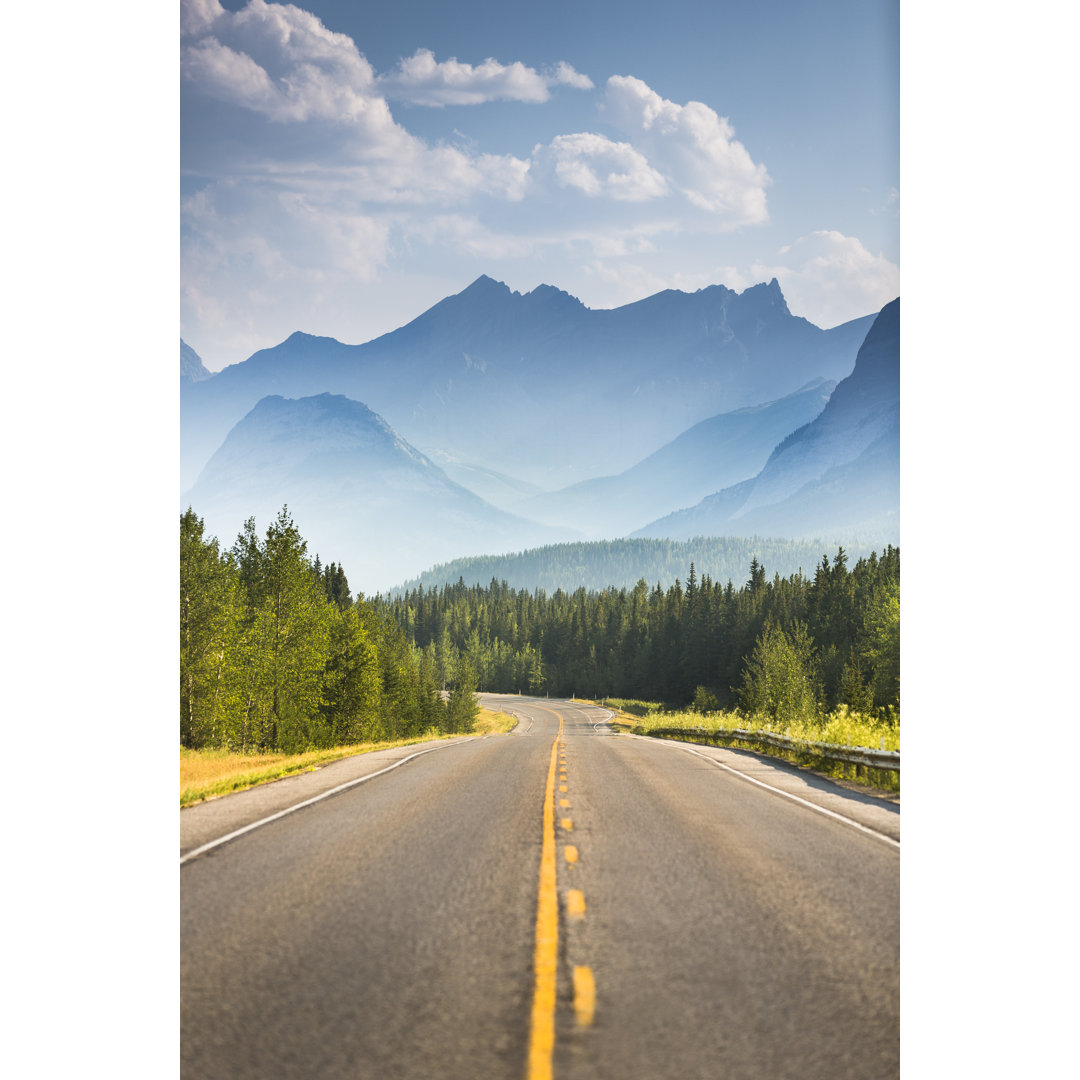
(494, 723)
(206, 774)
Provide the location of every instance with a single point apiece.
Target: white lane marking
(307, 802)
(768, 787)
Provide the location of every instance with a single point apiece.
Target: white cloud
(421, 80)
(246, 249)
(597, 166)
(567, 76)
(197, 16)
(830, 278)
(467, 233)
(277, 60)
(329, 124)
(694, 149)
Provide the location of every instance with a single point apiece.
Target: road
(563, 901)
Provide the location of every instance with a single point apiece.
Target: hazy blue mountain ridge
(838, 474)
(714, 453)
(360, 493)
(537, 386)
(619, 564)
(191, 365)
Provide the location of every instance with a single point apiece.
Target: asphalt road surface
(562, 901)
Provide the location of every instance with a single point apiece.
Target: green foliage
(705, 701)
(462, 708)
(209, 636)
(618, 564)
(881, 647)
(275, 655)
(781, 680)
(661, 643)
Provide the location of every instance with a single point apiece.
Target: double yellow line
(546, 954)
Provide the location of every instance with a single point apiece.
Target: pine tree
(209, 635)
(287, 639)
(462, 708)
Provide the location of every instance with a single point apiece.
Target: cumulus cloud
(693, 148)
(421, 80)
(565, 75)
(329, 122)
(277, 60)
(830, 278)
(597, 166)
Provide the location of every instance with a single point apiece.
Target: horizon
(519, 293)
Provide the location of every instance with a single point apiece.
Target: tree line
(275, 654)
(605, 564)
(790, 645)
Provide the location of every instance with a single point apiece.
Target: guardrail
(855, 755)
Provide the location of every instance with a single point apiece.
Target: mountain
(537, 386)
(713, 454)
(191, 365)
(361, 495)
(492, 486)
(619, 564)
(837, 475)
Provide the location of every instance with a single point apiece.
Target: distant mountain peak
(486, 286)
(767, 295)
(191, 365)
(550, 295)
(298, 336)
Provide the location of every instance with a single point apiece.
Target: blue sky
(344, 166)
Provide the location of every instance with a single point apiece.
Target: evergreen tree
(287, 638)
(351, 682)
(209, 637)
(462, 708)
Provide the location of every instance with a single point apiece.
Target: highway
(563, 901)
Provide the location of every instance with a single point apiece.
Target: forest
(276, 654)
(606, 564)
(792, 644)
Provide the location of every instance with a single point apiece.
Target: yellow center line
(564, 803)
(584, 995)
(575, 904)
(546, 953)
(570, 853)
(566, 823)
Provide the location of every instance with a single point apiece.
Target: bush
(781, 679)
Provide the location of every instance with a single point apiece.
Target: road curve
(715, 915)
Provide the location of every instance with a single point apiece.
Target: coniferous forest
(277, 655)
(696, 640)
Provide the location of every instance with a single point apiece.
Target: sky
(344, 166)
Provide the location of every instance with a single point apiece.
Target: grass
(840, 728)
(494, 723)
(207, 774)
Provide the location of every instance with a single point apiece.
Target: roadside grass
(842, 727)
(494, 723)
(207, 774)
